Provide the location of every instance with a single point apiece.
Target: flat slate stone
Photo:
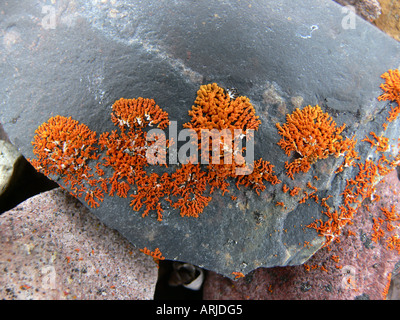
(77, 58)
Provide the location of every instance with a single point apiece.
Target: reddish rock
(356, 268)
(368, 9)
(54, 248)
(3, 134)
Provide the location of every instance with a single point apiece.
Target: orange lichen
(391, 89)
(305, 197)
(216, 110)
(378, 232)
(64, 147)
(156, 254)
(393, 243)
(190, 184)
(324, 202)
(312, 194)
(238, 275)
(393, 113)
(307, 244)
(355, 191)
(93, 195)
(381, 143)
(323, 268)
(387, 286)
(350, 157)
(385, 166)
(308, 267)
(313, 135)
(351, 233)
(149, 192)
(262, 170)
(295, 191)
(138, 113)
(390, 215)
(127, 150)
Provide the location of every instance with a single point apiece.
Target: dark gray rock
(76, 58)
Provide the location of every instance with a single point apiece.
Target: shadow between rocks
(164, 291)
(24, 183)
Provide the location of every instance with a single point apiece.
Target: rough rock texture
(54, 248)
(364, 265)
(76, 58)
(368, 9)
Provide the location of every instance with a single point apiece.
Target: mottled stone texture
(54, 248)
(75, 58)
(361, 271)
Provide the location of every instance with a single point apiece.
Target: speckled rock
(54, 248)
(356, 268)
(76, 58)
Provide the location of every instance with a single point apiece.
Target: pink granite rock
(54, 248)
(355, 268)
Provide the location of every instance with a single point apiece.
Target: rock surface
(361, 270)
(368, 9)
(54, 248)
(3, 135)
(76, 58)
(389, 20)
(18, 179)
(9, 155)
